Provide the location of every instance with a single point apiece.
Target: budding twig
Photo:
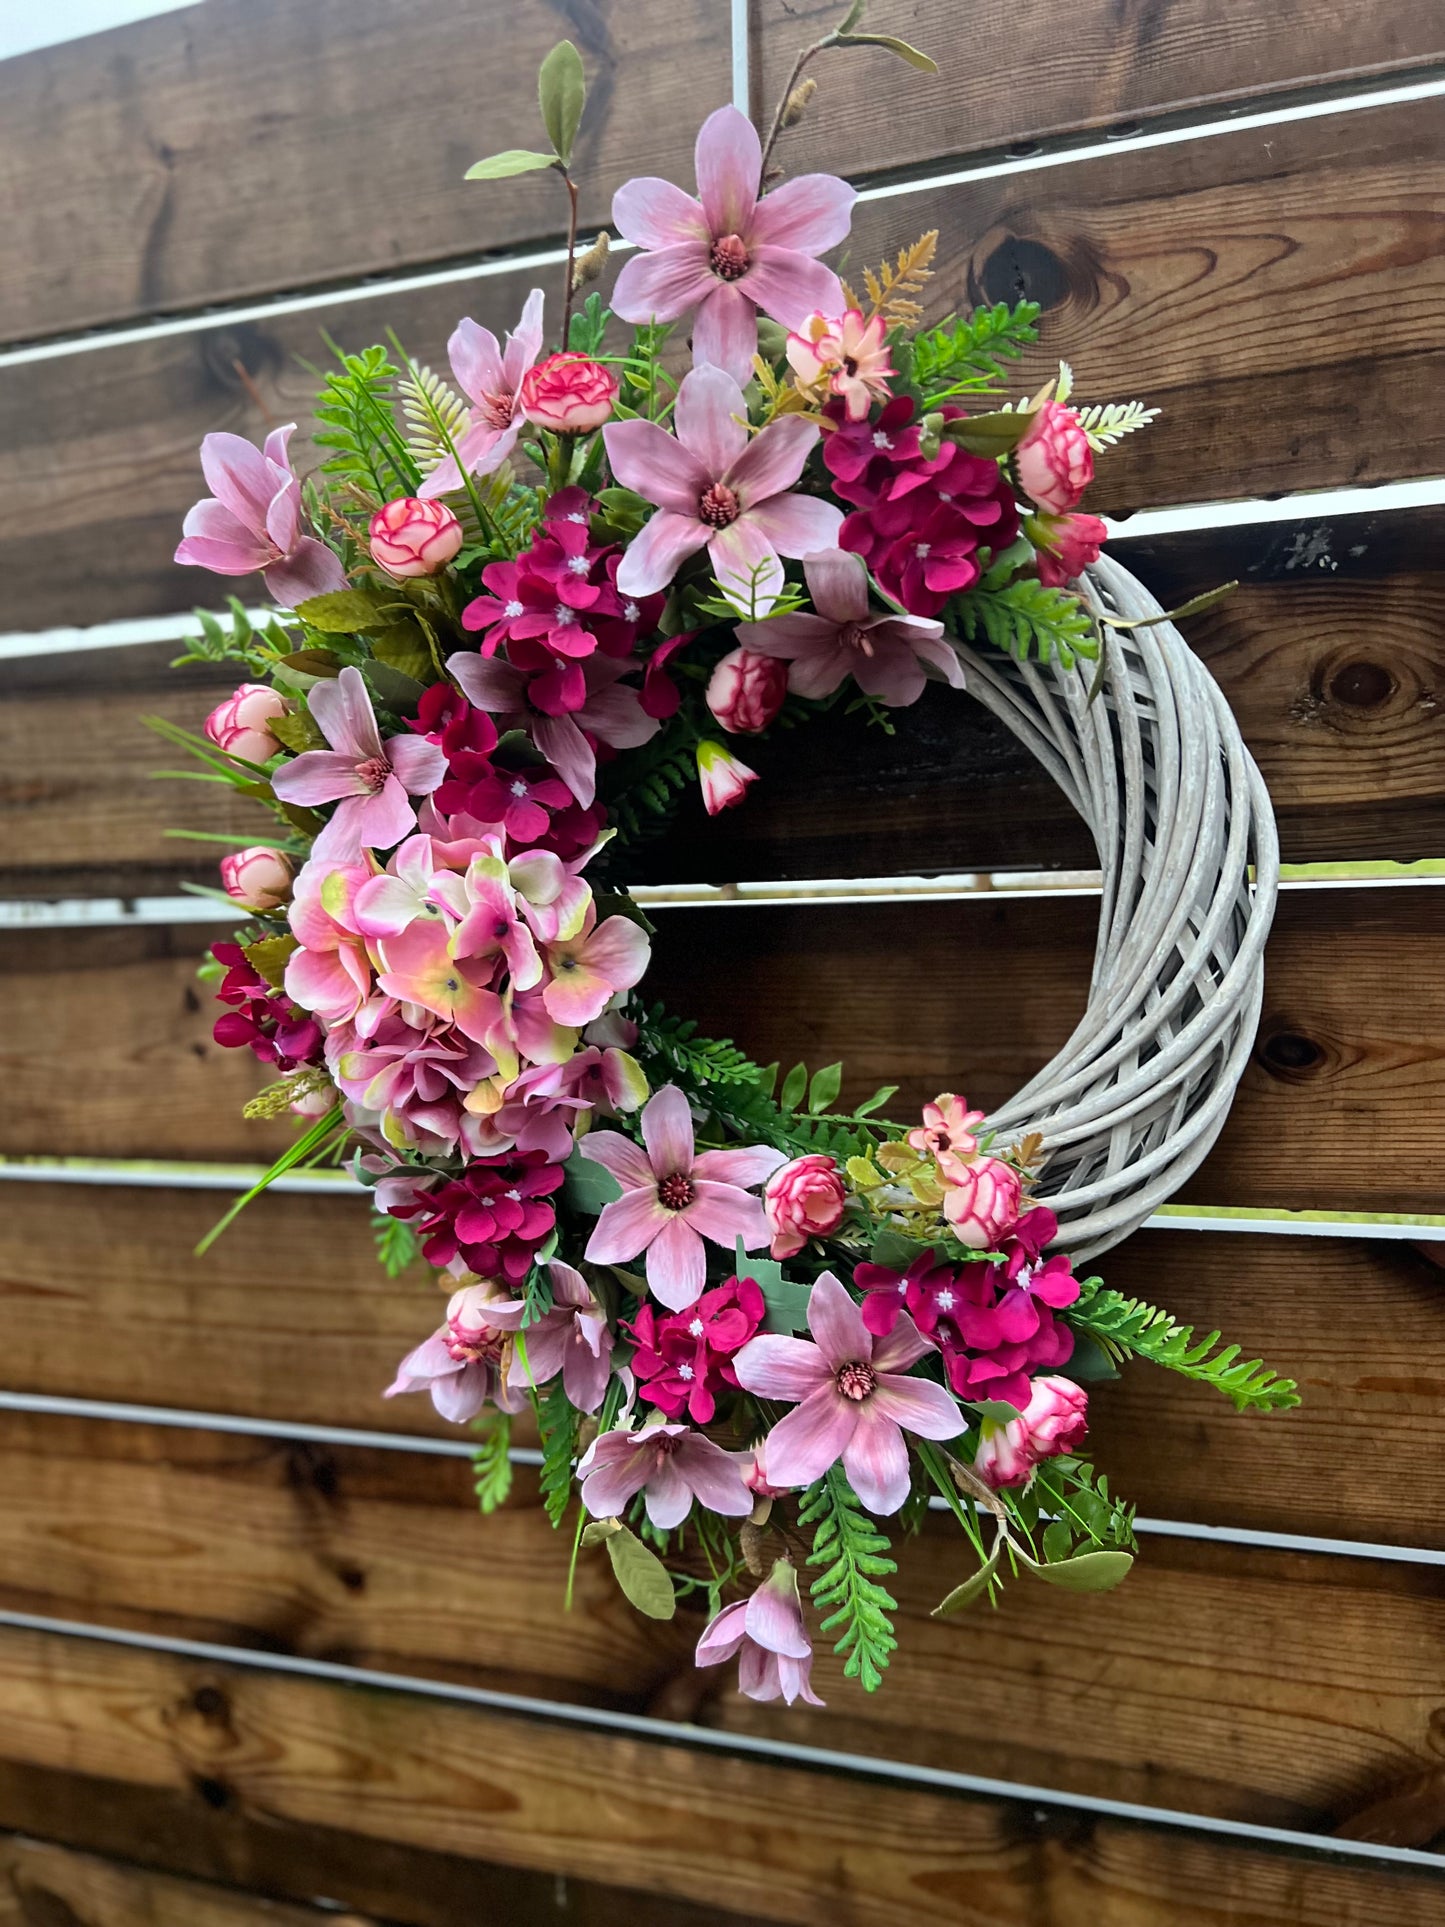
(571, 256)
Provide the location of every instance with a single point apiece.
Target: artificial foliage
(526, 607)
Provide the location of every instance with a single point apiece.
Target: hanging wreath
(520, 613)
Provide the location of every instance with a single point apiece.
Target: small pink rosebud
(1065, 545)
(804, 1199)
(314, 1103)
(568, 394)
(413, 537)
(240, 725)
(1054, 461)
(259, 877)
(724, 779)
(981, 1201)
(746, 691)
(1053, 1422)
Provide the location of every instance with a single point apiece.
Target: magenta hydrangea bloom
(670, 1465)
(730, 252)
(674, 1196)
(370, 779)
(611, 712)
(853, 1399)
(684, 1358)
(490, 378)
(252, 520)
(716, 486)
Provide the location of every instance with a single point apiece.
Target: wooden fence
(254, 1639)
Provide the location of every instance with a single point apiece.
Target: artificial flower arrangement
(519, 614)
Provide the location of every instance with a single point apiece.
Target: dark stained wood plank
(316, 1337)
(1198, 1685)
(1012, 78)
(1332, 652)
(238, 148)
(173, 1734)
(108, 1052)
(1280, 306)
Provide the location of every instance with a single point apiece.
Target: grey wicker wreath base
(1180, 816)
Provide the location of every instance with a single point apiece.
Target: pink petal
(929, 643)
(318, 776)
(813, 213)
(793, 1680)
(902, 1347)
(585, 1377)
(724, 1213)
(895, 676)
(654, 214)
(798, 634)
(320, 980)
(773, 1620)
(569, 753)
(746, 563)
(789, 286)
(420, 765)
(676, 1263)
(607, 1490)
(441, 481)
(723, 1637)
(810, 1438)
(797, 525)
(626, 1226)
(277, 446)
(646, 458)
(875, 1459)
(214, 522)
(838, 584)
(342, 711)
(483, 451)
(667, 1131)
(476, 360)
(385, 905)
(240, 477)
(429, 1360)
(819, 674)
(759, 1674)
(714, 1475)
(837, 1323)
(310, 569)
(617, 716)
(577, 997)
(725, 333)
(729, 159)
(667, 1495)
(340, 841)
(461, 1397)
(221, 558)
(709, 418)
(387, 817)
(773, 461)
(619, 949)
(487, 682)
(918, 1405)
(753, 1164)
(777, 1367)
(524, 344)
(283, 515)
(663, 285)
(655, 556)
(618, 1154)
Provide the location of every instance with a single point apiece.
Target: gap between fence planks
(772, 1842)
(315, 1339)
(107, 1049)
(1276, 293)
(1219, 1662)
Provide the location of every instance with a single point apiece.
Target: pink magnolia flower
(981, 1201)
(851, 355)
(724, 779)
(259, 877)
(746, 691)
(947, 1132)
(573, 1338)
(411, 537)
(371, 779)
(852, 1399)
(805, 1199)
(1054, 462)
(670, 1465)
(612, 713)
(252, 520)
(241, 724)
(729, 253)
(1052, 1423)
(768, 1630)
(842, 636)
(673, 1197)
(491, 378)
(588, 969)
(461, 1364)
(716, 487)
(1065, 545)
(568, 394)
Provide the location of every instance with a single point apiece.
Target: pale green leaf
(515, 160)
(561, 92)
(641, 1575)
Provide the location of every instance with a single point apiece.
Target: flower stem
(571, 258)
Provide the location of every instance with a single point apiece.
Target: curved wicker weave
(1179, 814)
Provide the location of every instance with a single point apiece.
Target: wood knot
(1290, 1055)
(1361, 685)
(1020, 269)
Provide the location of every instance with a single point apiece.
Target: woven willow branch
(1179, 813)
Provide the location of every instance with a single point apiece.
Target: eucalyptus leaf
(921, 61)
(990, 435)
(641, 1575)
(561, 93)
(596, 1530)
(795, 1086)
(342, 613)
(515, 160)
(587, 1186)
(972, 1587)
(1088, 1572)
(824, 1089)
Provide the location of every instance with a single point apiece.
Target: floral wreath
(517, 614)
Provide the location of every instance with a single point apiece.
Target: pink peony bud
(981, 1201)
(1065, 546)
(568, 394)
(804, 1199)
(314, 1103)
(1053, 1422)
(746, 691)
(259, 877)
(412, 537)
(724, 779)
(239, 725)
(1054, 461)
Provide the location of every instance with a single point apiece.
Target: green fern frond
(397, 1245)
(971, 353)
(1025, 619)
(644, 785)
(853, 1554)
(1082, 1503)
(434, 413)
(557, 1423)
(1108, 422)
(1127, 1327)
(354, 409)
(492, 1461)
